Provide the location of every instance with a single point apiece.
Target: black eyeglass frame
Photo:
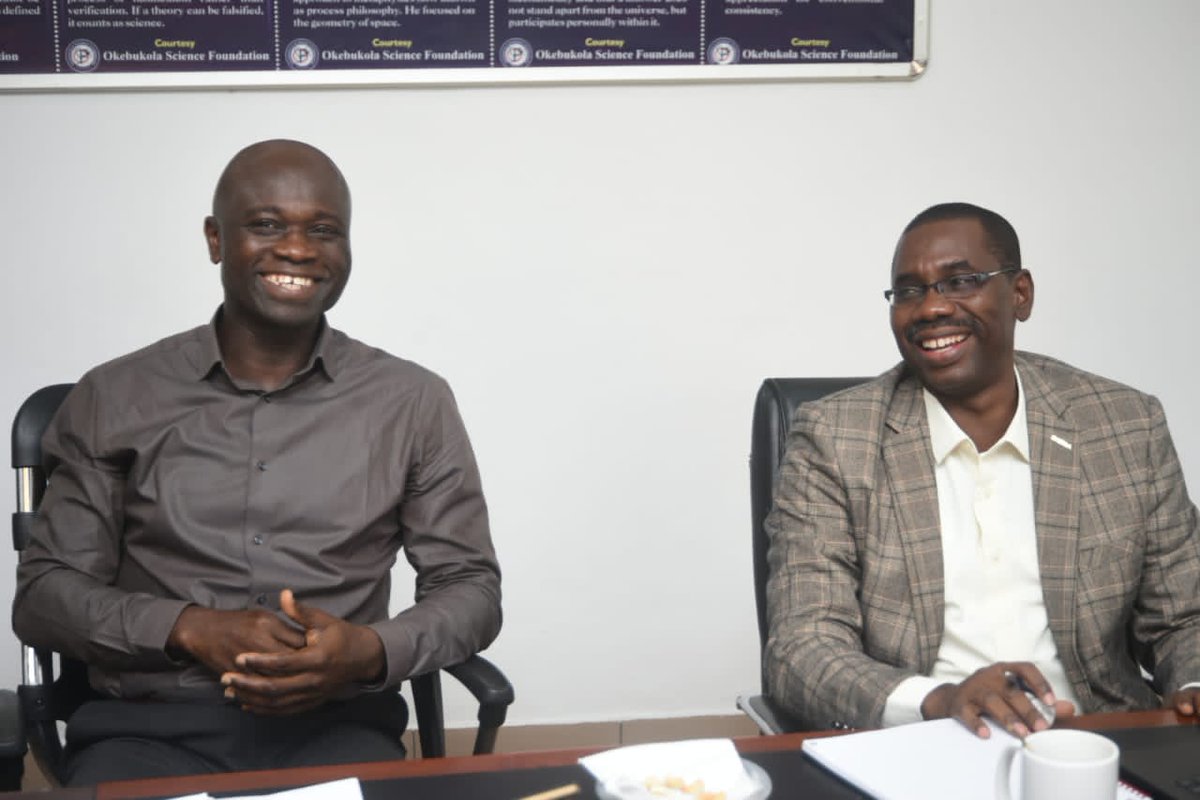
(977, 280)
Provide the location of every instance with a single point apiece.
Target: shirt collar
(945, 435)
(324, 355)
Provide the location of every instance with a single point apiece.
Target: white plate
(760, 782)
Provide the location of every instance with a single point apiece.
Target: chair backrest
(45, 697)
(30, 423)
(777, 401)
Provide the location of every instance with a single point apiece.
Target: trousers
(122, 740)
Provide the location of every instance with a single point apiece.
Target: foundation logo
(301, 54)
(516, 53)
(724, 51)
(82, 56)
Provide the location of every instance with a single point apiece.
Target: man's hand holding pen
(1008, 693)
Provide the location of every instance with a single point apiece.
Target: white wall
(605, 274)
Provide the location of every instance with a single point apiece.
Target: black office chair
(774, 406)
(47, 696)
(12, 743)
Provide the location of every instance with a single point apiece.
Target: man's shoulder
(1074, 387)
(363, 361)
(171, 353)
(856, 414)
(871, 397)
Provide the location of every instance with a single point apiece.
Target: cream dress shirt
(993, 592)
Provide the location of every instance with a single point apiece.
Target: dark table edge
(234, 782)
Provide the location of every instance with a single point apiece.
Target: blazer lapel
(1056, 496)
(909, 463)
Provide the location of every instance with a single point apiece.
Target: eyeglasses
(956, 287)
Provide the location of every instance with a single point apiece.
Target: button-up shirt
(994, 608)
(174, 484)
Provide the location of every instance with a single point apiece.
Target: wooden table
(509, 776)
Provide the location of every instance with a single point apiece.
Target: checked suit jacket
(855, 594)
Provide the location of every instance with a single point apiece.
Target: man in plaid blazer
(918, 515)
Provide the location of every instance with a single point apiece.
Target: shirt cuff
(159, 622)
(398, 657)
(904, 703)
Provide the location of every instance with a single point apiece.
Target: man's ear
(1023, 295)
(212, 234)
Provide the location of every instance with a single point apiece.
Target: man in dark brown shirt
(226, 506)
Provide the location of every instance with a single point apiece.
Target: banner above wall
(106, 44)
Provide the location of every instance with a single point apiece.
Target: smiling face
(280, 230)
(959, 349)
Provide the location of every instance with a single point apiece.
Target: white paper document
(923, 761)
(934, 759)
(345, 789)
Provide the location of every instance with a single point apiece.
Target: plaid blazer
(855, 600)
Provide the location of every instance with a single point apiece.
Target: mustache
(914, 329)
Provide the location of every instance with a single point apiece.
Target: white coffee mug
(1062, 765)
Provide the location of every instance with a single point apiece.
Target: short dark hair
(1002, 237)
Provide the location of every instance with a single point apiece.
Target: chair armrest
(491, 688)
(487, 684)
(12, 726)
(767, 715)
(12, 742)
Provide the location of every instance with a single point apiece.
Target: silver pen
(1017, 682)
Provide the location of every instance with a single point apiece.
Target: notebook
(934, 759)
(942, 759)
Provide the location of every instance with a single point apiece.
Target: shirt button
(258, 540)
(261, 465)
(261, 599)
